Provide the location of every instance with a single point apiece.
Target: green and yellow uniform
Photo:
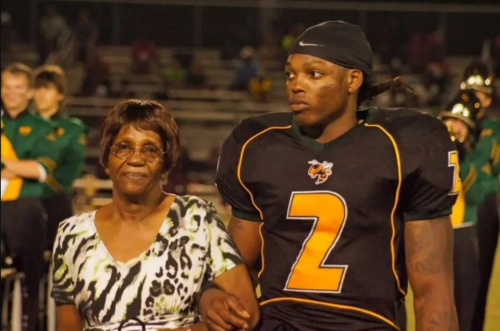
(58, 191)
(478, 77)
(71, 141)
(27, 137)
(475, 186)
(488, 149)
(472, 191)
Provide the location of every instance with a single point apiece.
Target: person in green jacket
(29, 156)
(478, 78)
(460, 119)
(50, 91)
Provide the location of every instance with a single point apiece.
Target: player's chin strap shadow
(141, 323)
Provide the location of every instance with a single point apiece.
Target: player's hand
(222, 311)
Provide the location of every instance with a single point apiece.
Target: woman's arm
(68, 318)
(232, 301)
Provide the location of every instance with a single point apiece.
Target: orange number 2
(454, 162)
(310, 273)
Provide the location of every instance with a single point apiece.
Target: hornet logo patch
(319, 171)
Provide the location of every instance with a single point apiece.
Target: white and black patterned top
(160, 287)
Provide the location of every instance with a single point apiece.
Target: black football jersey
(333, 214)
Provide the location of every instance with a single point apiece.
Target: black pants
(487, 232)
(466, 271)
(23, 226)
(58, 208)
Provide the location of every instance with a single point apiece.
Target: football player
(342, 205)
(478, 78)
(460, 117)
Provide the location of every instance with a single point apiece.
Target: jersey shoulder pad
(276, 119)
(408, 124)
(251, 126)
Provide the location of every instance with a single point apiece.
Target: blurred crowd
(422, 58)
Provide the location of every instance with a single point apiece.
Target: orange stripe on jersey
(333, 305)
(261, 251)
(241, 161)
(396, 201)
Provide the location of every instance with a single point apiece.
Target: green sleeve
(76, 153)
(495, 158)
(45, 150)
(491, 132)
(476, 184)
(483, 152)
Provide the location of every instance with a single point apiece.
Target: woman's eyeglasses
(149, 153)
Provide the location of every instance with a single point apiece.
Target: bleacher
(213, 112)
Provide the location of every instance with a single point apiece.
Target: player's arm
(246, 236)
(42, 159)
(428, 195)
(232, 172)
(429, 263)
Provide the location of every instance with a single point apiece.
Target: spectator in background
(496, 56)
(289, 39)
(124, 92)
(57, 199)
(269, 49)
(436, 80)
(178, 179)
(144, 57)
(260, 87)
(163, 94)
(196, 78)
(96, 76)
(86, 34)
(29, 155)
(421, 50)
(247, 69)
(8, 33)
(175, 75)
(51, 27)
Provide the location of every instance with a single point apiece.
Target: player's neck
(335, 128)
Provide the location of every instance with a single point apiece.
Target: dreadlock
(368, 91)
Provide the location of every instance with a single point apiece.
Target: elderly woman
(142, 261)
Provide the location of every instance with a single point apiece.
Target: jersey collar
(363, 116)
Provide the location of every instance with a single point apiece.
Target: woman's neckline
(131, 262)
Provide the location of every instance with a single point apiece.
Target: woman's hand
(222, 311)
